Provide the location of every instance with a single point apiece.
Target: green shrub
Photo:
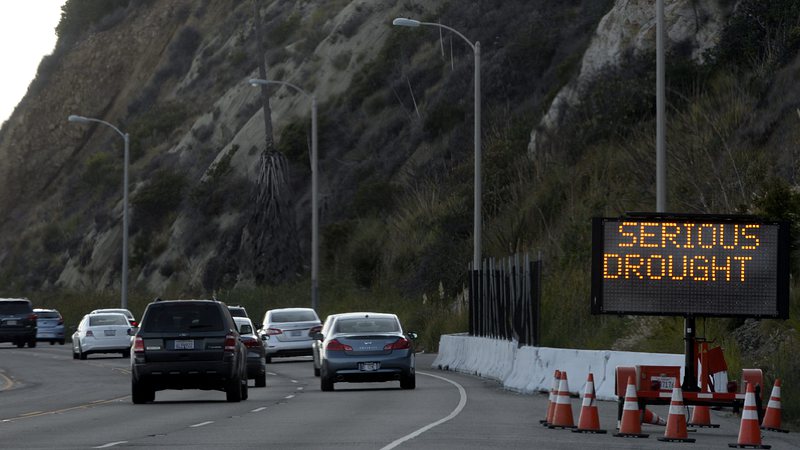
(158, 200)
(294, 142)
(77, 16)
(373, 198)
(103, 172)
(153, 126)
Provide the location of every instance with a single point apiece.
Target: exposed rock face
(630, 28)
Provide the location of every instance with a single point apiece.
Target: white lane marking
(300, 388)
(272, 373)
(111, 444)
(201, 424)
(259, 409)
(294, 381)
(461, 403)
(289, 396)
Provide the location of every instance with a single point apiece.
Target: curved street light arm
(74, 118)
(471, 44)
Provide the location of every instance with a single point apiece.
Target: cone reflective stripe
(589, 421)
(631, 423)
(676, 421)
(562, 413)
(749, 432)
(772, 417)
(653, 418)
(551, 401)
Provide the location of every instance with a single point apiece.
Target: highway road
(48, 400)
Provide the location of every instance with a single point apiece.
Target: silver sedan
(366, 347)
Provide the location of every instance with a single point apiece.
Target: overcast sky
(27, 32)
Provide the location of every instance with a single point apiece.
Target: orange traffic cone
(551, 402)
(772, 418)
(562, 413)
(701, 418)
(653, 418)
(589, 420)
(631, 424)
(749, 433)
(676, 421)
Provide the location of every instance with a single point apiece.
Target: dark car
(188, 344)
(366, 347)
(17, 322)
(256, 353)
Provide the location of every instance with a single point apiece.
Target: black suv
(17, 322)
(188, 344)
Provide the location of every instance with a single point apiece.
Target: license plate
(184, 345)
(295, 333)
(110, 332)
(11, 322)
(369, 366)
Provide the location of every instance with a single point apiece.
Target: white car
(102, 333)
(127, 312)
(289, 331)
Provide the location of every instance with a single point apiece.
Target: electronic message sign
(724, 266)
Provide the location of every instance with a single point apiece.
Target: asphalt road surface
(48, 400)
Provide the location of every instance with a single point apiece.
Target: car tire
(316, 371)
(408, 381)
(141, 393)
(74, 355)
(52, 342)
(32, 343)
(82, 355)
(20, 344)
(261, 380)
(245, 389)
(61, 342)
(126, 353)
(233, 391)
(268, 359)
(325, 382)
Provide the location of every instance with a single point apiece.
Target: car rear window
(294, 316)
(48, 315)
(238, 312)
(367, 325)
(105, 320)
(188, 317)
(15, 307)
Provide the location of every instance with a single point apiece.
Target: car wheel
(81, 354)
(20, 344)
(32, 343)
(325, 382)
(245, 391)
(316, 371)
(126, 353)
(268, 359)
(408, 382)
(261, 380)
(61, 342)
(233, 391)
(74, 355)
(52, 342)
(141, 393)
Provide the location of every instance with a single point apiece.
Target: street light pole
(125, 219)
(476, 49)
(314, 187)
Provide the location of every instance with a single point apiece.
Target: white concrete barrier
(530, 369)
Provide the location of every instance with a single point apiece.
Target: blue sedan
(366, 347)
(49, 326)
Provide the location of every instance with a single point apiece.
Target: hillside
(568, 96)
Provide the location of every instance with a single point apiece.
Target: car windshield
(14, 307)
(188, 317)
(105, 320)
(367, 325)
(238, 312)
(294, 316)
(48, 314)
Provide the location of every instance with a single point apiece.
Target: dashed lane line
(111, 444)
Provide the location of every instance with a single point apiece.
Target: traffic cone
(653, 418)
(551, 402)
(589, 420)
(701, 418)
(749, 433)
(631, 424)
(562, 413)
(772, 418)
(676, 420)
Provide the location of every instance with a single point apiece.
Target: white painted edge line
(201, 424)
(290, 396)
(461, 403)
(111, 444)
(272, 373)
(259, 409)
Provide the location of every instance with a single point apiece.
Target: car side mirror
(318, 336)
(412, 335)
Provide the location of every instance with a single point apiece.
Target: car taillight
(335, 345)
(272, 331)
(400, 344)
(33, 316)
(250, 342)
(230, 343)
(315, 330)
(60, 321)
(89, 333)
(134, 323)
(138, 345)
